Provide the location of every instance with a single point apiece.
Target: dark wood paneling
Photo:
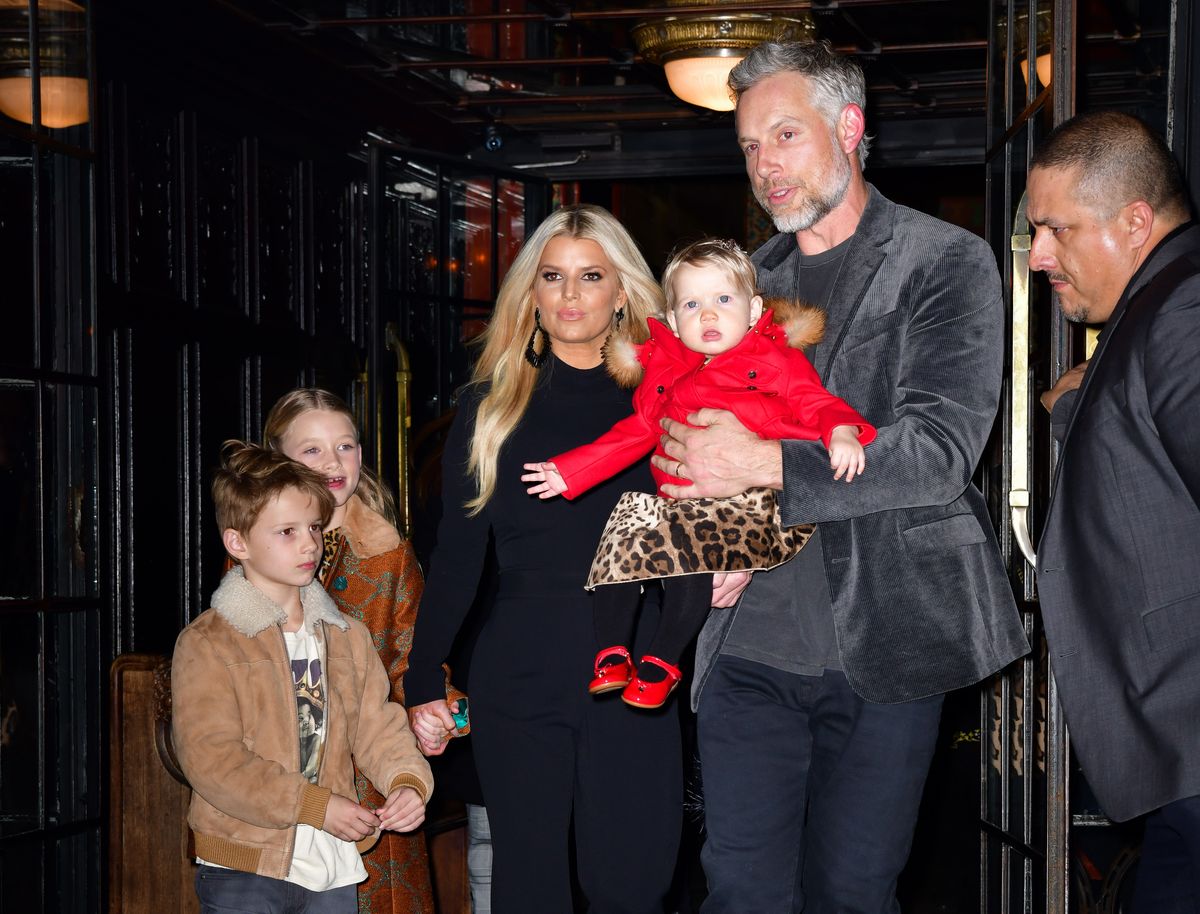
(234, 252)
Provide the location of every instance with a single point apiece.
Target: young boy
(275, 690)
(718, 349)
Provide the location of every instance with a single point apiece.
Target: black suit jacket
(1119, 559)
(914, 340)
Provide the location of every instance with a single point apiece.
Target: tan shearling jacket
(236, 733)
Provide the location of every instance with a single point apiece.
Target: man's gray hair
(836, 80)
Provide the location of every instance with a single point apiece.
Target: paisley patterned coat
(374, 577)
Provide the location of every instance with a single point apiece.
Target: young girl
(721, 350)
(372, 574)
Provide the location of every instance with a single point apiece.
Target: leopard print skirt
(648, 536)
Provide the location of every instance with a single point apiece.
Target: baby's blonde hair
(716, 252)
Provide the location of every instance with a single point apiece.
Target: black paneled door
(52, 611)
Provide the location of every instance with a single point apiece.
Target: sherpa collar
(251, 611)
(369, 533)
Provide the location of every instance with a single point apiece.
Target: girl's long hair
(502, 367)
(291, 405)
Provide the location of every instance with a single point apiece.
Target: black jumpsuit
(548, 753)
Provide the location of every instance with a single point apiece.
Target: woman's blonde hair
(502, 366)
(291, 405)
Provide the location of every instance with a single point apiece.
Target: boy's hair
(716, 252)
(250, 476)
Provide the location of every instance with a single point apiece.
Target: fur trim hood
(251, 611)
(804, 325)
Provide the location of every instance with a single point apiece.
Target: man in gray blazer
(1119, 560)
(819, 695)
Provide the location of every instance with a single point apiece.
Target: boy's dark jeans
(223, 891)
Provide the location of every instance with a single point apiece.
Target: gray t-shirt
(785, 619)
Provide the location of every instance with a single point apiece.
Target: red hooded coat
(770, 386)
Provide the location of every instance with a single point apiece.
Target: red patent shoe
(642, 694)
(611, 675)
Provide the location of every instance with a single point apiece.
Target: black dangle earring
(532, 356)
(618, 316)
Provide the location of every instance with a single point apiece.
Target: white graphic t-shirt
(320, 860)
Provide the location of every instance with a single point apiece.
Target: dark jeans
(1168, 876)
(224, 891)
(810, 793)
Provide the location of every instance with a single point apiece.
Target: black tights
(686, 601)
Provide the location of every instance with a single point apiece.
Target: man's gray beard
(818, 205)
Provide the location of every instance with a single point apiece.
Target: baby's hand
(549, 482)
(347, 820)
(403, 811)
(846, 455)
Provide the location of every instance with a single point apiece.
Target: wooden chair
(149, 855)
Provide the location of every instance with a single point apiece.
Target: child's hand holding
(403, 811)
(432, 725)
(347, 820)
(550, 483)
(846, 455)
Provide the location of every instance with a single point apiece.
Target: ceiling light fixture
(1044, 63)
(697, 51)
(62, 62)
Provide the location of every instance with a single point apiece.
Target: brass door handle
(1018, 487)
(403, 426)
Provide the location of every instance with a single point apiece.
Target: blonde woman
(548, 754)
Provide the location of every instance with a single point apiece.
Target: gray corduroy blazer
(914, 340)
(1119, 559)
